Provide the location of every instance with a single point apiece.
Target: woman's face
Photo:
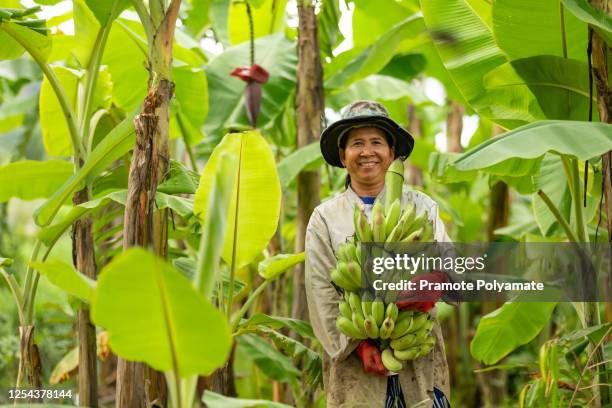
(367, 155)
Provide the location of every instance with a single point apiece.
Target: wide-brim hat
(361, 114)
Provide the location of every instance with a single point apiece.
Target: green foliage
(106, 10)
(274, 53)
(595, 17)
(524, 29)
(29, 179)
(274, 364)
(305, 157)
(214, 400)
(273, 266)
(152, 313)
(534, 140)
(118, 142)
(67, 278)
(508, 327)
(267, 16)
(15, 37)
(215, 225)
(345, 71)
(255, 205)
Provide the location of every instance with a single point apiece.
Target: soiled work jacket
(346, 383)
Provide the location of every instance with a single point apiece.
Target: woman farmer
(365, 142)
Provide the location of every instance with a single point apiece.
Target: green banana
(358, 253)
(346, 327)
(404, 314)
(401, 327)
(378, 311)
(390, 362)
(394, 181)
(370, 327)
(418, 322)
(386, 328)
(356, 217)
(392, 216)
(359, 323)
(342, 281)
(420, 336)
(354, 272)
(392, 311)
(341, 254)
(378, 222)
(351, 252)
(355, 304)
(414, 236)
(424, 350)
(414, 225)
(404, 342)
(345, 310)
(346, 271)
(408, 354)
(362, 226)
(366, 307)
(427, 232)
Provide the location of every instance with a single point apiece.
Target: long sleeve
(321, 295)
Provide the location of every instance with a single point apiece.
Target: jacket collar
(353, 198)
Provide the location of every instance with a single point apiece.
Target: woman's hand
(370, 356)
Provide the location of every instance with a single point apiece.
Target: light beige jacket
(346, 384)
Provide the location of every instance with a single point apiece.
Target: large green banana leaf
(371, 21)
(584, 11)
(525, 28)
(469, 51)
(508, 327)
(361, 62)
(154, 314)
(268, 18)
(29, 179)
(560, 85)
(117, 143)
(255, 204)
(582, 140)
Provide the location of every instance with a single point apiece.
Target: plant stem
(573, 177)
(230, 291)
(144, 17)
(57, 88)
(248, 304)
(17, 295)
(563, 35)
(91, 77)
(188, 148)
(555, 211)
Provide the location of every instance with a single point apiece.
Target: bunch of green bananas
(406, 334)
(402, 335)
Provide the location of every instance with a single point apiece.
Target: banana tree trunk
(139, 386)
(454, 127)
(29, 360)
(83, 254)
(415, 127)
(309, 110)
(601, 53)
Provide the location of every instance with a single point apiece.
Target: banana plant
(532, 147)
(74, 120)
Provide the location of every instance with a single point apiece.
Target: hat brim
(404, 142)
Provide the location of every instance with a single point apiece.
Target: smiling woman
(365, 142)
